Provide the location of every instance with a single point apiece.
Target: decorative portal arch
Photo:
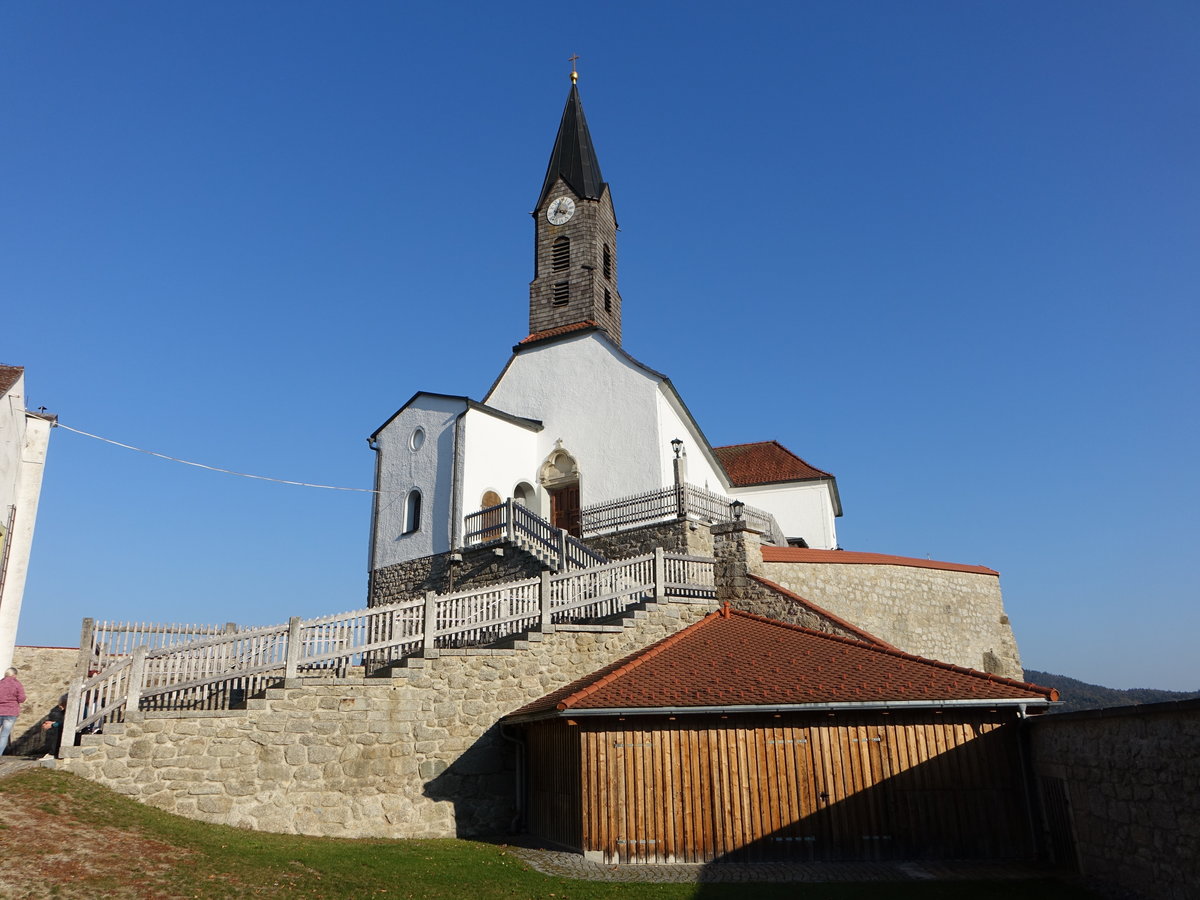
(559, 475)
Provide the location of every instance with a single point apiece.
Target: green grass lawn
(64, 837)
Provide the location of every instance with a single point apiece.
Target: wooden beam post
(547, 625)
(428, 642)
(660, 575)
(137, 674)
(295, 648)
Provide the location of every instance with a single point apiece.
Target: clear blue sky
(948, 251)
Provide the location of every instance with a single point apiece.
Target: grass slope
(64, 837)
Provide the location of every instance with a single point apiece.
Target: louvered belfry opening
(561, 254)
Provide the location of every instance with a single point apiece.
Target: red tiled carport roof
(733, 659)
(848, 557)
(764, 462)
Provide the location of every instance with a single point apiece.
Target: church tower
(575, 235)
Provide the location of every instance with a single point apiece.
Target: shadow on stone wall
(481, 784)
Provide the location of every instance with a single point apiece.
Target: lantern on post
(737, 506)
(677, 446)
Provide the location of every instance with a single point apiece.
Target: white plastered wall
(702, 469)
(802, 510)
(430, 469)
(24, 440)
(498, 455)
(602, 407)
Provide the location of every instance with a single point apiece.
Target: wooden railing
(513, 522)
(219, 671)
(677, 502)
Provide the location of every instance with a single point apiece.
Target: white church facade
(575, 430)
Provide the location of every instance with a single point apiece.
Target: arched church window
(607, 262)
(560, 254)
(412, 512)
(491, 520)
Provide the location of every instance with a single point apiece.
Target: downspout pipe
(456, 480)
(518, 820)
(374, 445)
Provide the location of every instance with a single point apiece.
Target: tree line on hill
(1076, 694)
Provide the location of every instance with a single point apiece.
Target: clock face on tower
(560, 211)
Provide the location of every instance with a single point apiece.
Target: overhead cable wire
(188, 462)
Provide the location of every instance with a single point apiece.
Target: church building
(587, 441)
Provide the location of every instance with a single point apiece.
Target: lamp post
(737, 506)
(677, 446)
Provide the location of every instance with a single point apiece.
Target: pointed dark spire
(573, 158)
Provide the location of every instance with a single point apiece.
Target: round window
(417, 439)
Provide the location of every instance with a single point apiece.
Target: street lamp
(677, 446)
(737, 506)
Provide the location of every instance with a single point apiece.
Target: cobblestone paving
(572, 865)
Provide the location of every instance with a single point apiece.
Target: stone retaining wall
(956, 617)
(45, 673)
(479, 567)
(417, 755)
(1130, 776)
(674, 537)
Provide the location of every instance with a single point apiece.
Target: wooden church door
(564, 509)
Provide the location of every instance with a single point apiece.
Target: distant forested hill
(1077, 694)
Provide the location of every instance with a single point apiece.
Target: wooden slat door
(564, 509)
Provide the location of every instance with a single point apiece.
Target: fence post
(562, 550)
(137, 674)
(509, 525)
(660, 575)
(294, 649)
(547, 625)
(428, 641)
(83, 667)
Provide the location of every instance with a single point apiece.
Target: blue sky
(947, 251)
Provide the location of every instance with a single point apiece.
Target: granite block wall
(416, 755)
(1132, 779)
(45, 673)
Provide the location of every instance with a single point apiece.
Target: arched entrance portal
(559, 475)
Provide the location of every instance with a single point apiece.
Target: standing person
(12, 695)
(52, 728)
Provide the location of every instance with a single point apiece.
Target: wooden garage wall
(552, 795)
(878, 786)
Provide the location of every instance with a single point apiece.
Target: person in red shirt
(12, 695)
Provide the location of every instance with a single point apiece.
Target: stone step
(591, 629)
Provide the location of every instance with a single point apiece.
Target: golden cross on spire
(574, 74)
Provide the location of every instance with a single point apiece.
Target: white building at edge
(24, 438)
(573, 420)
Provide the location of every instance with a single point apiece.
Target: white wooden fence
(221, 667)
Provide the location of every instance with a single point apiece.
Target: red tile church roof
(847, 557)
(733, 659)
(9, 376)
(555, 332)
(764, 462)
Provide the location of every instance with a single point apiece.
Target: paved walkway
(10, 765)
(573, 865)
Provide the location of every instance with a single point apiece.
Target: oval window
(417, 439)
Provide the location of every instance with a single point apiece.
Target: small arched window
(560, 254)
(412, 512)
